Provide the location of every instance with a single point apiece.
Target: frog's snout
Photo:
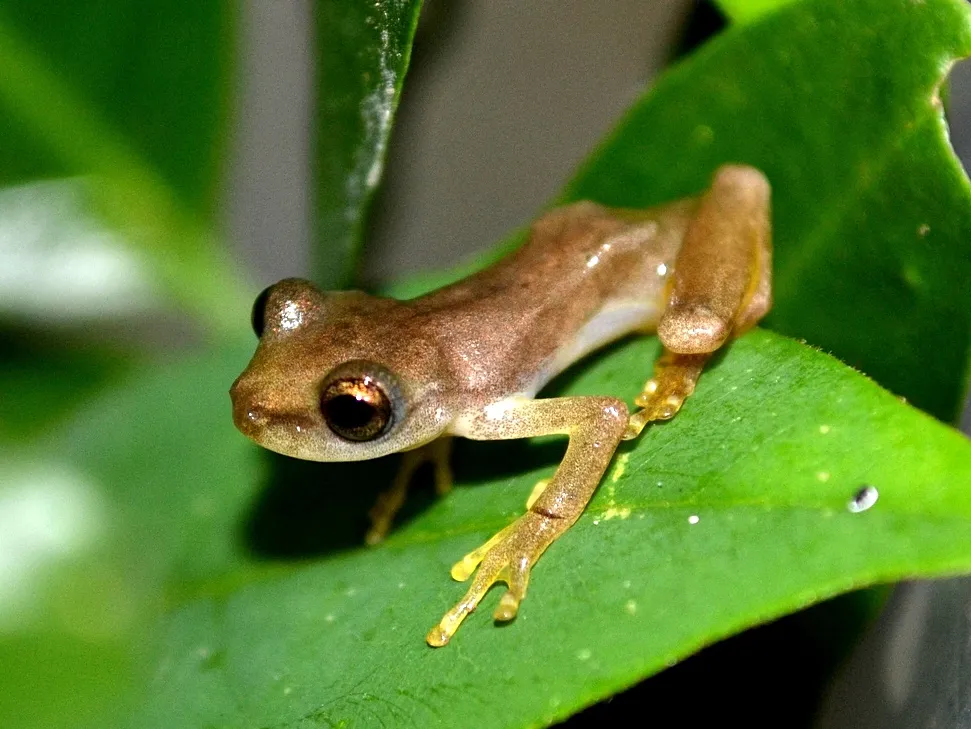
(255, 416)
(248, 415)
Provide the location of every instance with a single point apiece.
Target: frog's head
(337, 376)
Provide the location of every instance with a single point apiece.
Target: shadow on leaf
(309, 509)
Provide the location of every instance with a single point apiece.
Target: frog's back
(586, 276)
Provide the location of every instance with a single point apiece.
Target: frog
(349, 376)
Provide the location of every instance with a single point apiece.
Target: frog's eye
(258, 315)
(356, 408)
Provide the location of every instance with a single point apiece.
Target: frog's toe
(516, 578)
(463, 569)
(450, 622)
(508, 607)
(662, 405)
(663, 395)
(386, 506)
(493, 569)
(507, 557)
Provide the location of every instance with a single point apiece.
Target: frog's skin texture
(347, 376)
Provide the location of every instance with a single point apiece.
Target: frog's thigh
(721, 287)
(721, 275)
(595, 426)
(388, 504)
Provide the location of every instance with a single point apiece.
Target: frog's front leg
(722, 286)
(594, 426)
(389, 502)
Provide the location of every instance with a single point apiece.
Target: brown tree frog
(346, 376)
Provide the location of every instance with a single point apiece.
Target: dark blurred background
(502, 101)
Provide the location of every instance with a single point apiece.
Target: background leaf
(366, 48)
(153, 73)
(115, 121)
(132, 112)
(745, 11)
(42, 381)
(871, 210)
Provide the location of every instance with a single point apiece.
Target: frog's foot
(675, 376)
(507, 557)
(389, 503)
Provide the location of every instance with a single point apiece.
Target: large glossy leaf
(736, 511)
(872, 211)
(364, 53)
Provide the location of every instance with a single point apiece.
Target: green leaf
(129, 117)
(364, 53)
(73, 609)
(42, 382)
(733, 513)
(871, 209)
(152, 76)
(745, 11)
(91, 535)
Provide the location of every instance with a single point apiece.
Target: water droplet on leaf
(863, 499)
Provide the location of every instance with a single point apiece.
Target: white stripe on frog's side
(469, 425)
(613, 322)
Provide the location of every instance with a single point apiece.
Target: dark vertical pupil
(258, 315)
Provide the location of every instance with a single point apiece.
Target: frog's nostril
(249, 417)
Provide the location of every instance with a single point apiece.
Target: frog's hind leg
(722, 286)
(389, 503)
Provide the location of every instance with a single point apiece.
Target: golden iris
(356, 408)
